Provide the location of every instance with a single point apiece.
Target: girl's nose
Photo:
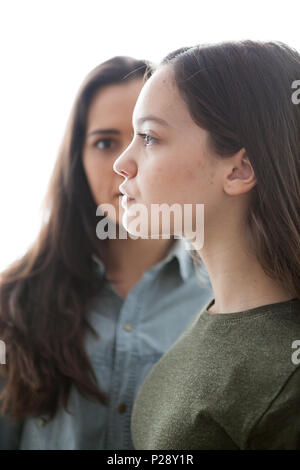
(125, 166)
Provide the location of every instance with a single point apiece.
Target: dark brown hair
(45, 296)
(240, 92)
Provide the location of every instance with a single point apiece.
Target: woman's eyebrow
(152, 118)
(104, 131)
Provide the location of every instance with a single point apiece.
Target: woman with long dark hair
(84, 319)
(217, 125)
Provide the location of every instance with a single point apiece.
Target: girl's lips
(123, 191)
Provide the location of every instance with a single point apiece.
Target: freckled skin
(179, 167)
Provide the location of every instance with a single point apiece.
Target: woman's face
(169, 160)
(109, 132)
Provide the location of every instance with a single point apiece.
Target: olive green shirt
(231, 381)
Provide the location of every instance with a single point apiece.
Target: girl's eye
(104, 144)
(148, 139)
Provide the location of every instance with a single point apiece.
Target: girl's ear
(239, 177)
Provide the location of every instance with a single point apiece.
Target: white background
(47, 48)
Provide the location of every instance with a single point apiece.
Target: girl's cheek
(154, 175)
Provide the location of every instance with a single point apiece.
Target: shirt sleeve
(279, 427)
(10, 431)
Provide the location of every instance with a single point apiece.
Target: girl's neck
(238, 280)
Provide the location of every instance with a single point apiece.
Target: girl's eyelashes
(148, 139)
(105, 144)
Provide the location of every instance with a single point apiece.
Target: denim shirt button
(128, 327)
(41, 422)
(122, 407)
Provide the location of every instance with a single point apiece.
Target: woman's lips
(126, 200)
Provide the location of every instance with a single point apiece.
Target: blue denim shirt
(134, 333)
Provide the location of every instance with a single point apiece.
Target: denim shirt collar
(178, 250)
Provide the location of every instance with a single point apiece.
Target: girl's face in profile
(109, 132)
(169, 160)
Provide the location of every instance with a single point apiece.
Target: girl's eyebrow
(104, 131)
(152, 118)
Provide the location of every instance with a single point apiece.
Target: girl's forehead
(160, 97)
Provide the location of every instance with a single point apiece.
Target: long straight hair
(45, 296)
(241, 93)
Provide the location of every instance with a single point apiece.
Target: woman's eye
(104, 144)
(147, 139)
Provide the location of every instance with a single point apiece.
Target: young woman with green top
(62, 386)
(217, 125)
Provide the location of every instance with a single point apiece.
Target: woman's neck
(128, 258)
